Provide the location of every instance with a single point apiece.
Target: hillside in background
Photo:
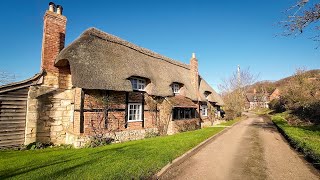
(270, 86)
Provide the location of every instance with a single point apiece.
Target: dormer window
(176, 88)
(138, 84)
(206, 94)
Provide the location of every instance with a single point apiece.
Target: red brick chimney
(53, 41)
(194, 73)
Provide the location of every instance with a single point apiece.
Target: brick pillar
(195, 80)
(53, 41)
(54, 31)
(194, 73)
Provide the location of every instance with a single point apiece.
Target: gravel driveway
(252, 149)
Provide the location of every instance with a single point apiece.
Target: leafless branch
(6, 77)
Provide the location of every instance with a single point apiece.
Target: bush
(187, 126)
(39, 145)
(96, 141)
(230, 115)
(310, 111)
(277, 105)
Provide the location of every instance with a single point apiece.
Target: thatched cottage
(101, 85)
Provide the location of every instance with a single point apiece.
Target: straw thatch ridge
(112, 38)
(102, 61)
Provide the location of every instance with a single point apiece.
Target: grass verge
(130, 160)
(304, 138)
(231, 122)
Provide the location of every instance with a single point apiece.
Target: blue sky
(222, 33)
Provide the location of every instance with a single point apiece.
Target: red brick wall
(194, 74)
(53, 39)
(94, 117)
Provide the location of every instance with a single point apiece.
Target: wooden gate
(13, 108)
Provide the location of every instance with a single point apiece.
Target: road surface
(252, 149)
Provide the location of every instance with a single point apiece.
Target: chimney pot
(193, 55)
(52, 6)
(59, 9)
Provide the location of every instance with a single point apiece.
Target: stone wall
(130, 135)
(50, 108)
(49, 114)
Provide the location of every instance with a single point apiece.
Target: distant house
(257, 100)
(102, 85)
(275, 94)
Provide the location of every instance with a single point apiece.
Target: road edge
(179, 160)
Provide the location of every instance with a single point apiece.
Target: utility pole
(239, 76)
(239, 86)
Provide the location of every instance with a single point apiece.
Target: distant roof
(257, 97)
(99, 60)
(22, 84)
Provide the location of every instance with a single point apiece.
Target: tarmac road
(252, 149)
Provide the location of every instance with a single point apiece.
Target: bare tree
(6, 77)
(234, 88)
(302, 14)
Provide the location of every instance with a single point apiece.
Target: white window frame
(204, 110)
(138, 84)
(133, 107)
(176, 88)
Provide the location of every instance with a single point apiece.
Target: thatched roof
(102, 61)
(181, 101)
(212, 97)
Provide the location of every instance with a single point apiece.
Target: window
(134, 112)
(175, 88)
(204, 110)
(138, 84)
(206, 94)
(184, 113)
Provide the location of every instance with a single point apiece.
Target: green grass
(134, 159)
(231, 122)
(304, 138)
(262, 111)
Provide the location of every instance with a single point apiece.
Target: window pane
(187, 113)
(193, 113)
(175, 113)
(134, 83)
(134, 112)
(181, 113)
(175, 88)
